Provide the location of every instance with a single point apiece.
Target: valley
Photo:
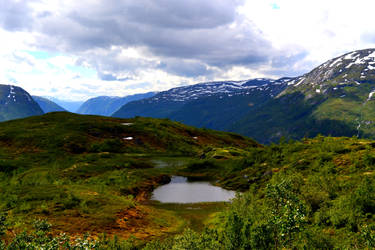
(187, 125)
(79, 175)
(83, 176)
(70, 180)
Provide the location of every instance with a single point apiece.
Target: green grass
(80, 174)
(329, 183)
(196, 215)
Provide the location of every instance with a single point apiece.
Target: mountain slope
(16, 103)
(335, 98)
(210, 105)
(107, 105)
(47, 105)
(87, 173)
(67, 132)
(70, 106)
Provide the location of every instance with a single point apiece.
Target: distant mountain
(215, 105)
(71, 106)
(336, 98)
(107, 105)
(47, 105)
(16, 103)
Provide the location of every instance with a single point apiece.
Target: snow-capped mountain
(15, 103)
(223, 88)
(212, 104)
(336, 98)
(352, 68)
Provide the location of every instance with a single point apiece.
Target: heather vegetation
(70, 181)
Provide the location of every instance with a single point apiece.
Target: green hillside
(87, 173)
(77, 174)
(310, 194)
(334, 99)
(214, 105)
(74, 174)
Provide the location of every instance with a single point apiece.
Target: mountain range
(211, 105)
(107, 105)
(333, 99)
(336, 98)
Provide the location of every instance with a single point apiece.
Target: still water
(180, 190)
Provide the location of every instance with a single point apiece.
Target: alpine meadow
(187, 125)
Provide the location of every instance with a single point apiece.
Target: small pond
(182, 190)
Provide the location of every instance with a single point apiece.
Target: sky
(75, 50)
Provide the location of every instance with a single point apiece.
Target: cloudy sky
(74, 50)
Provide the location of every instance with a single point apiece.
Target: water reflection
(180, 190)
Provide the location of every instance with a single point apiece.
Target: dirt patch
(143, 192)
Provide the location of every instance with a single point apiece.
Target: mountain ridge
(16, 103)
(47, 105)
(207, 105)
(107, 105)
(335, 96)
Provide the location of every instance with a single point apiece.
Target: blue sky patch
(82, 71)
(275, 6)
(39, 54)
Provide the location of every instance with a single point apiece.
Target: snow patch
(298, 83)
(336, 61)
(291, 82)
(129, 138)
(350, 56)
(370, 95)
(371, 56)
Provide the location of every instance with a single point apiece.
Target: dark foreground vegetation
(74, 182)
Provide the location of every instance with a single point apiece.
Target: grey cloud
(15, 15)
(368, 37)
(287, 60)
(185, 68)
(194, 29)
(186, 36)
(111, 77)
(107, 77)
(188, 14)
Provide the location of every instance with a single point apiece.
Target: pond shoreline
(183, 189)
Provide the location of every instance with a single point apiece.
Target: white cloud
(97, 50)
(323, 28)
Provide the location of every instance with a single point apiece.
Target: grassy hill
(311, 194)
(83, 174)
(334, 99)
(89, 173)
